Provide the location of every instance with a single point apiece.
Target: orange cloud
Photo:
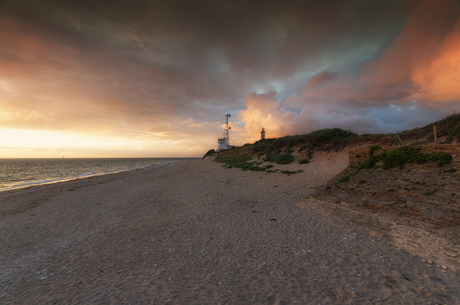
(422, 64)
(264, 112)
(421, 69)
(440, 80)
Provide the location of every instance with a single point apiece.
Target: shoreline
(85, 176)
(197, 233)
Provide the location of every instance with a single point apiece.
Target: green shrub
(243, 165)
(428, 193)
(239, 162)
(362, 181)
(268, 166)
(300, 171)
(446, 158)
(210, 152)
(358, 156)
(440, 164)
(345, 179)
(317, 136)
(289, 151)
(282, 158)
(373, 148)
(407, 154)
(263, 145)
(430, 138)
(370, 163)
(304, 161)
(288, 172)
(452, 170)
(367, 165)
(256, 168)
(301, 148)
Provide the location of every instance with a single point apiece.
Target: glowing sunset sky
(155, 78)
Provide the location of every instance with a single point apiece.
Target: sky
(145, 78)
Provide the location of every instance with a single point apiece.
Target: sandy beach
(197, 233)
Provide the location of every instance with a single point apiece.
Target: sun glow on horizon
(18, 143)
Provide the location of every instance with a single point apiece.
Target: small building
(222, 143)
(262, 134)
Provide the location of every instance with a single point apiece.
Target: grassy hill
(336, 139)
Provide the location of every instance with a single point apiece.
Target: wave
(26, 182)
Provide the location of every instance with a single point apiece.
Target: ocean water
(18, 173)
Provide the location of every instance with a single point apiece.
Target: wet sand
(196, 233)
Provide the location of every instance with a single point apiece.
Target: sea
(20, 173)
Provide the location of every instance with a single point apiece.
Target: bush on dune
(280, 158)
(407, 154)
(210, 152)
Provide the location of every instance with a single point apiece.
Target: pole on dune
(227, 134)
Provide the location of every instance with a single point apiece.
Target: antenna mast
(227, 134)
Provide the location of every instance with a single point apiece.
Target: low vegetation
(281, 150)
(401, 156)
(310, 142)
(302, 148)
(280, 158)
(370, 163)
(209, 153)
(408, 154)
(242, 162)
(291, 172)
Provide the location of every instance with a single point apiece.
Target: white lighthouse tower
(262, 134)
(224, 142)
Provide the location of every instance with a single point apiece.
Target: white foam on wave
(37, 183)
(83, 176)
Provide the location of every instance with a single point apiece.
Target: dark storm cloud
(421, 64)
(159, 66)
(414, 82)
(232, 41)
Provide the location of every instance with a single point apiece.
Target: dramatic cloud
(278, 119)
(418, 72)
(422, 65)
(164, 73)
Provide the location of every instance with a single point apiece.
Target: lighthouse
(262, 134)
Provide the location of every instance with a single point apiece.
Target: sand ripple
(196, 233)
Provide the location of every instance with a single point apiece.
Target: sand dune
(196, 233)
